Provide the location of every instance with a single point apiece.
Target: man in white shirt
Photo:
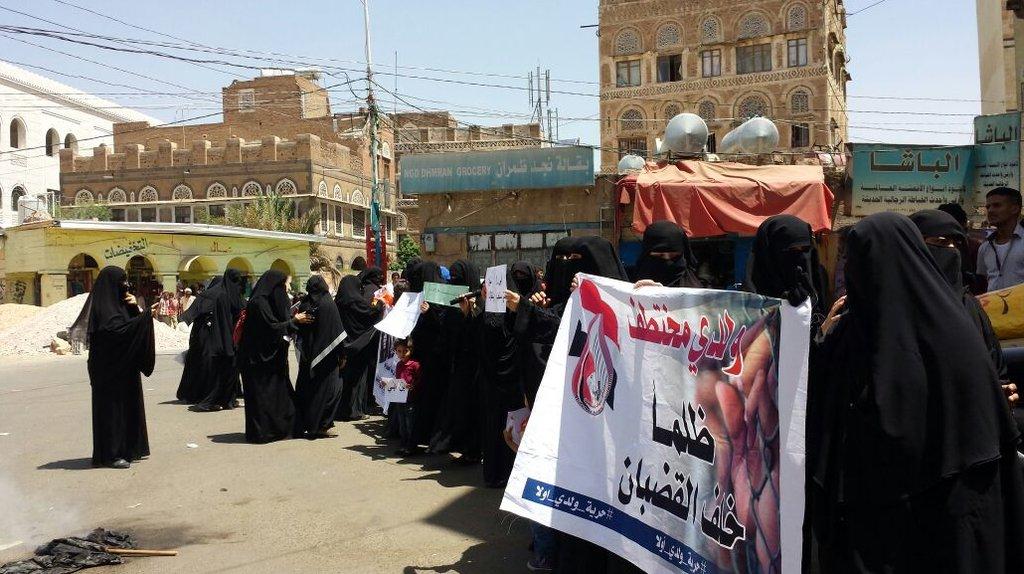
(1001, 257)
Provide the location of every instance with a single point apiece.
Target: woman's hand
(575, 283)
(646, 283)
(540, 299)
(833, 315)
(424, 307)
(303, 319)
(1010, 390)
(466, 305)
(512, 300)
(129, 299)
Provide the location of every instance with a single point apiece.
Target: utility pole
(371, 119)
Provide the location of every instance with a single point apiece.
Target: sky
(898, 48)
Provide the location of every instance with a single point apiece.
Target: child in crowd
(408, 371)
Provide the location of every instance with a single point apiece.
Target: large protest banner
(669, 429)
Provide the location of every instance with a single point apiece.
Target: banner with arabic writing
(669, 429)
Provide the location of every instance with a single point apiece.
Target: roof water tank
(754, 136)
(686, 134)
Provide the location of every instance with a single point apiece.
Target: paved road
(338, 505)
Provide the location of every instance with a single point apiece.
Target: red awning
(711, 199)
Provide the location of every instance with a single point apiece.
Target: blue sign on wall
(909, 178)
(534, 168)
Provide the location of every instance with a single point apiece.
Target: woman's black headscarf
(266, 313)
(357, 315)
(424, 272)
(784, 263)
(104, 309)
(223, 302)
(522, 278)
(371, 279)
(667, 237)
(120, 337)
(321, 339)
(559, 272)
(465, 273)
(935, 223)
(925, 402)
(599, 258)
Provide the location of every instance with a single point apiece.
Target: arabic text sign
(387, 365)
(495, 281)
(442, 293)
(906, 179)
(534, 168)
(631, 442)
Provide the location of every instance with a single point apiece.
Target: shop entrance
(82, 271)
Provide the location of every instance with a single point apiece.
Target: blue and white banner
(669, 429)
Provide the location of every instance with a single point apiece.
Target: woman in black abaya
(263, 360)
(358, 316)
(121, 349)
(784, 264)
(213, 316)
(911, 448)
(433, 350)
(370, 281)
(318, 388)
(667, 258)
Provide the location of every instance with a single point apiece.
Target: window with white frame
(359, 223)
(246, 100)
(339, 220)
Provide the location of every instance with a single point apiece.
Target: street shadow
(228, 438)
(173, 402)
(69, 464)
(374, 451)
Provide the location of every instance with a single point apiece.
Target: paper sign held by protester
(495, 281)
(442, 293)
(516, 423)
(395, 391)
(633, 441)
(401, 320)
(387, 365)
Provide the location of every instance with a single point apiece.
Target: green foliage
(407, 251)
(85, 212)
(269, 213)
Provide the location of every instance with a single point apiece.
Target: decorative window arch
(252, 189)
(83, 197)
(321, 189)
(710, 30)
(71, 142)
(17, 192)
(117, 195)
(706, 110)
(800, 101)
(52, 142)
(385, 150)
(669, 35)
(751, 106)
(796, 17)
(357, 197)
(337, 192)
(672, 110)
(181, 192)
(753, 25)
(628, 42)
(285, 187)
(631, 119)
(216, 191)
(148, 194)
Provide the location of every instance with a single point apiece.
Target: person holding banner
(667, 258)
(263, 359)
(358, 316)
(911, 450)
(433, 351)
(318, 387)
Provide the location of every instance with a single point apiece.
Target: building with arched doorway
(48, 261)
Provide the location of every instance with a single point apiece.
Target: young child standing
(408, 371)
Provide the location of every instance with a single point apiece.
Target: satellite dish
(754, 136)
(686, 134)
(630, 163)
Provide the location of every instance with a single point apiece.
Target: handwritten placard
(495, 281)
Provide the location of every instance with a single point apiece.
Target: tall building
(726, 60)
(38, 116)
(278, 135)
(1000, 68)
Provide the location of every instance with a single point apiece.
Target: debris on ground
(66, 555)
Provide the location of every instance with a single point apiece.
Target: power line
(868, 7)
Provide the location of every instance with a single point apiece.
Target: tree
(91, 211)
(407, 251)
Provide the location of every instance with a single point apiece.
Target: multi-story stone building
(278, 134)
(1001, 61)
(38, 116)
(726, 60)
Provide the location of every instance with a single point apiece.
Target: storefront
(46, 262)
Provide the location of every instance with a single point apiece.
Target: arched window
(116, 195)
(752, 106)
(252, 189)
(181, 192)
(839, 67)
(17, 193)
(706, 110)
(216, 191)
(668, 35)
(71, 142)
(83, 197)
(148, 194)
(285, 187)
(710, 30)
(796, 19)
(672, 110)
(357, 197)
(52, 142)
(800, 102)
(753, 26)
(337, 192)
(627, 42)
(321, 189)
(631, 120)
(17, 136)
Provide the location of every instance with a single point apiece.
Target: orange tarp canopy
(711, 199)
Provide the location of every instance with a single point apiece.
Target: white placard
(401, 320)
(495, 281)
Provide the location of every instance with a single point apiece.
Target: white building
(38, 116)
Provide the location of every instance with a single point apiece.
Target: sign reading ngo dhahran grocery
(535, 168)
(669, 429)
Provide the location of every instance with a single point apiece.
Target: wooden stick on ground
(141, 552)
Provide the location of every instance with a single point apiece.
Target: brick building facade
(278, 135)
(726, 60)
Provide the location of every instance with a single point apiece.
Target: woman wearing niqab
(358, 316)
(784, 264)
(210, 377)
(263, 360)
(911, 462)
(121, 349)
(370, 281)
(318, 387)
(667, 257)
(433, 349)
